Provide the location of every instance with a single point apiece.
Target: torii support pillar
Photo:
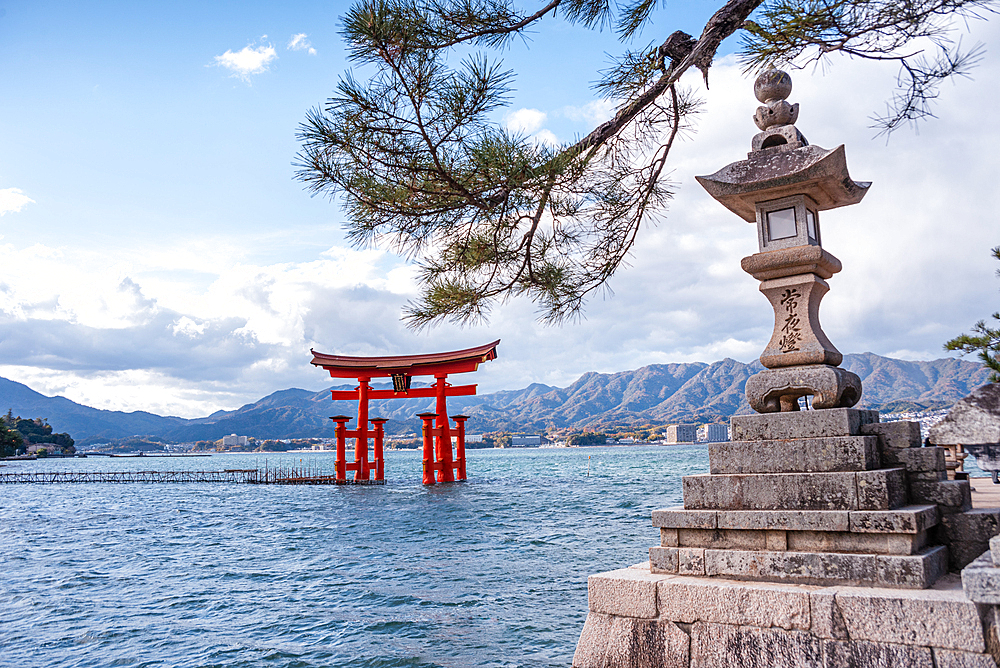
(437, 457)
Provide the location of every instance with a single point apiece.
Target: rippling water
(489, 572)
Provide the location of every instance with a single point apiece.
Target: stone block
(883, 489)
(961, 554)
(909, 519)
(776, 541)
(690, 561)
(617, 642)
(834, 453)
(981, 580)
(926, 476)
(627, 592)
(679, 518)
(843, 541)
(955, 494)
(772, 491)
(791, 520)
(967, 534)
(864, 654)
(919, 459)
(991, 629)
(946, 658)
(931, 617)
(800, 424)
(663, 560)
(826, 620)
(793, 567)
(894, 435)
(726, 646)
(995, 550)
(669, 537)
(917, 571)
(976, 525)
(691, 600)
(722, 539)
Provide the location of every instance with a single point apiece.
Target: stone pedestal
(820, 509)
(818, 538)
(638, 619)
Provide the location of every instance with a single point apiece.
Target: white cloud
(592, 113)
(529, 122)
(247, 61)
(300, 42)
(525, 121)
(13, 200)
(545, 137)
(189, 328)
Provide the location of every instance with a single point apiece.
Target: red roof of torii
(458, 361)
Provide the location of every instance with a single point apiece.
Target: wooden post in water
(460, 445)
(341, 433)
(428, 434)
(379, 463)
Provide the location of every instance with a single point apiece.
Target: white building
(233, 440)
(681, 433)
(532, 441)
(713, 433)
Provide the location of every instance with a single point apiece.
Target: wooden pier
(265, 476)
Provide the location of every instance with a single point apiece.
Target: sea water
(488, 572)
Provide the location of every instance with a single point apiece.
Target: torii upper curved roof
(457, 361)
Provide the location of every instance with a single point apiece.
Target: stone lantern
(836, 500)
(782, 187)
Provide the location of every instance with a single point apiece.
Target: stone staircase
(831, 497)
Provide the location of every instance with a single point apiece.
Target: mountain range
(655, 394)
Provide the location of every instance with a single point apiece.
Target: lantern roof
(770, 174)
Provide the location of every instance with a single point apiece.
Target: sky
(156, 252)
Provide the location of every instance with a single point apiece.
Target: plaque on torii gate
(438, 463)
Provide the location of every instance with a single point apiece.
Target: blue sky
(158, 254)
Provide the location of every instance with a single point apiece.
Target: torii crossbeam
(402, 369)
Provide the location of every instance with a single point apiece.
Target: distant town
(39, 441)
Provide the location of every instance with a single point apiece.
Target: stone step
(802, 455)
(908, 519)
(917, 571)
(796, 541)
(894, 435)
(641, 619)
(801, 424)
(882, 489)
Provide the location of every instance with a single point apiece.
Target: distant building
(532, 441)
(473, 438)
(681, 433)
(233, 441)
(713, 433)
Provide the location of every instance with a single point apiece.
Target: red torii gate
(402, 369)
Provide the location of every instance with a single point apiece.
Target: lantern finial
(776, 117)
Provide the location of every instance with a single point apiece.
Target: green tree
(10, 440)
(489, 215)
(984, 341)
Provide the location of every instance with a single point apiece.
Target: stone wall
(638, 619)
